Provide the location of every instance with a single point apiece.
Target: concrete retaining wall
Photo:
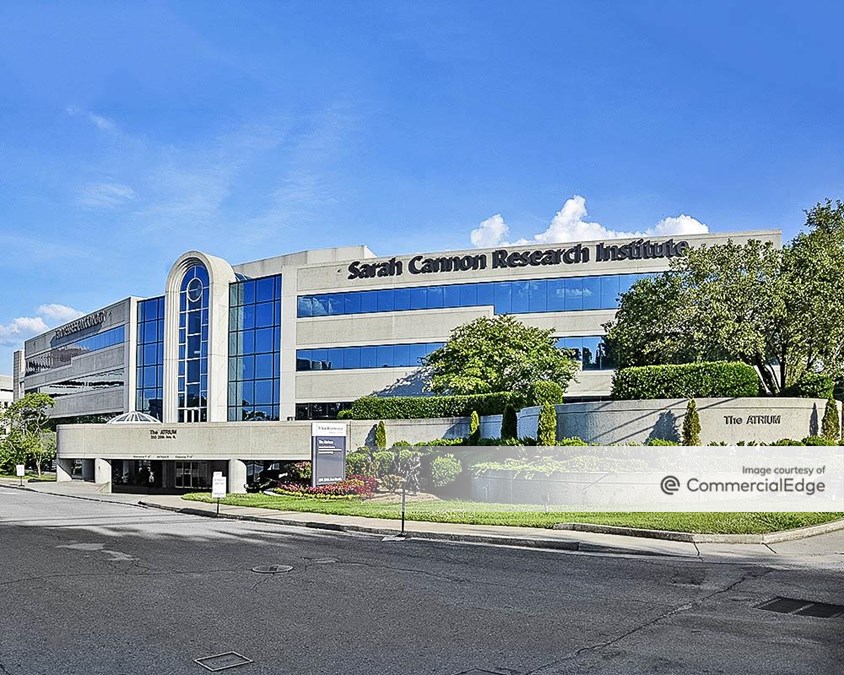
(721, 419)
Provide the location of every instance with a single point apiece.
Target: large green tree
(22, 436)
(779, 310)
(498, 354)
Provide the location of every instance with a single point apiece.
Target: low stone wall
(721, 419)
(413, 431)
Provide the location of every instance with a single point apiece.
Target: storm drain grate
(271, 569)
(820, 610)
(222, 661)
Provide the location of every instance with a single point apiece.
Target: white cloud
(105, 195)
(490, 232)
(23, 327)
(58, 313)
(104, 124)
(570, 224)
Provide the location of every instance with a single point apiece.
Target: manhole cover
(272, 569)
(222, 661)
(821, 610)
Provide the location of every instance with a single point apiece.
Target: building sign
(162, 434)
(89, 321)
(641, 249)
(328, 452)
(752, 419)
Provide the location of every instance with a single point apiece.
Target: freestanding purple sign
(328, 452)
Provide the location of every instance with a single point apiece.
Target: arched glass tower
(193, 345)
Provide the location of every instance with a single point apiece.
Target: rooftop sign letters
(641, 249)
(94, 319)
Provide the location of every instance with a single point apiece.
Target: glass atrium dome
(133, 417)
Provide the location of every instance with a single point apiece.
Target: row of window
(254, 342)
(150, 357)
(507, 297)
(373, 356)
(590, 351)
(95, 382)
(62, 356)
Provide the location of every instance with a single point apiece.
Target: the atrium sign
(641, 249)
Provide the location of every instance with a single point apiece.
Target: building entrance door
(191, 475)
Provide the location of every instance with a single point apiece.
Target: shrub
(811, 385)
(359, 463)
(301, 471)
(543, 392)
(830, 427)
(445, 470)
(819, 440)
(687, 380)
(546, 433)
(572, 440)
(381, 436)
(787, 441)
(661, 441)
(691, 424)
(353, 486)
(391, 482)
(474, 428)
(509, 423)
(411, 407)
(382, 462)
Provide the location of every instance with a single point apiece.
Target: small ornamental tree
(381, 436)
(498, 353)
(691, 424)
(509, 423)
(830, 428)
(474, 428)
(547, 432)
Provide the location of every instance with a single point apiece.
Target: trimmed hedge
(811, 385)
(412, 407)
(709, 379)
(543, 392)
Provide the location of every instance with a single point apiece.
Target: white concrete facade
(150, 367)
(6, 391)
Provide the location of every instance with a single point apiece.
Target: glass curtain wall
(254, 349)
(193, 345)
(150, 357)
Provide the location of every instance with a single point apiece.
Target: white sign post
(218, 488)
(20, 472)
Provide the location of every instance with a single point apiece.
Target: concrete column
(88, 469)
(237, 477)
(102, 472)
(64, 469)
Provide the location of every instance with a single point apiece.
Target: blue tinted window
(385, 301)
(574, 293)
(351, 303)
(384, 356)
(264, 289)
(264, 340)
(503, 293)
(435, 297)
(486, 294)
(264, 366)
(519, 297)
(418, 298)
(468, 295)
(335, 358)
(351, 357)
(451, 296)
(368, 357)
(591, 292)
(368, 301)
(264, 315)
(304, 307)
(537, 300)
(609, 291)
(402, 299)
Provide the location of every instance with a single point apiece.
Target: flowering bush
(353, 486)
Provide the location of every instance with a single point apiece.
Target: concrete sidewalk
(823, 550)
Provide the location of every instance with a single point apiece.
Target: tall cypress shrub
(830, 428)
(547, 432)
(381, 436)
(474, 428)
(509, 423)
(691, 424)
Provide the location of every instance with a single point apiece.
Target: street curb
(695, 538)
(61, 494)
(530, 542)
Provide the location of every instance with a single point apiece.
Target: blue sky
(131, 132)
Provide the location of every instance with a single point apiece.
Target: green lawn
(478, 513)
(30, 475)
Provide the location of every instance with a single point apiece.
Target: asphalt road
(88, 588)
